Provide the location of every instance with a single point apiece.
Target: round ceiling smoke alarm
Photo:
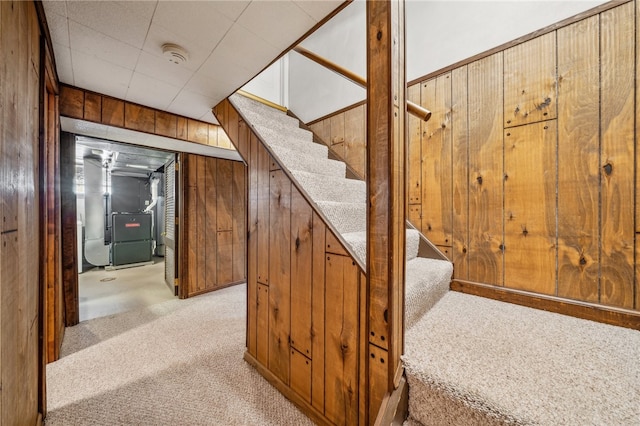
(174, 53)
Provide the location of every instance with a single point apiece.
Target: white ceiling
(114, 47)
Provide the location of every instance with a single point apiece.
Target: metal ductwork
(95, 250)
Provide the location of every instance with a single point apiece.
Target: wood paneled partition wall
(526, 176)
(214, 224)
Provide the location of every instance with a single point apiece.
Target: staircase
(469, 360)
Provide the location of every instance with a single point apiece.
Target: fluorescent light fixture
(137, 166)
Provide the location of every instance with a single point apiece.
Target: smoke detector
(174, 53)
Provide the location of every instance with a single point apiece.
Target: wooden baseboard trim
(209, 290)
(340, 111)
(317, 417)
(589, 311)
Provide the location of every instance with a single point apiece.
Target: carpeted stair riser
(358, 242)
(294, 144)
(312, 164)
(426, 282)
(346, 217)
(328, 188)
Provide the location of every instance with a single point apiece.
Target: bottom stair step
(476, 361)
(426, 282)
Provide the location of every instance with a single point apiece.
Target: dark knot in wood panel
(379, 35)
(297, 243)
(544, 104)
(479, 179)
(608, 169)
(583, 261)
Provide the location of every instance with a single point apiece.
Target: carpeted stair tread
(426, 282)
(329, 188)
(295, 159)
(358, 242)
(260, 112)
(346, 217)
(471, 360)
(292, 142)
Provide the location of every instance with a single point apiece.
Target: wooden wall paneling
(460, 171)
(224, 259)
(378, 360)
(637, 159)
(484, 255)
(273, 164)
(92, 107)
(239, 222)
(363, 358)
(279, 274)
(301, 273)
(197, 131)
(341, 340)
(355, 140)
(224, 179)
(166, 124)
(73, 105)
(140, 118)
(69, 223)
(232, 124)
(201, 220)
(263, 195)
(301, 375)
(437, 161)
(336, 124)
(317, 314)
(212, 240)
(530, 207)
(578, 159)
(414, 145)
(242, 141)
(617, 157)
(112, 112)
(447, 251)
(530, 81)
(414, 214)
(252, 246)
(181, 128)
(12, 340)
(213, 135)
(223, 139)
(262, 325)
(333, 246)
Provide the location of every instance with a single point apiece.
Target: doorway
(124, 203)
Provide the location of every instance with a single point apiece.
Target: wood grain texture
(262, 330)
(200, 237)
(378, 361)
(279, 274)
(414, 214)
(318, 314)
(197, 131)
(529, 207)
(181, 128)
(92, 106)
(578, 160)
(223, 139)
(530, 81)
(341, 340)
(224, 259)
(414, 146)
(112, 112)
(238, 196)
(301, 273)
(263, 195)
(242, 141)
(72, 102)
(301, 375)
(437, 161)
(252, 246)
(211, 247)
(617, 133)
(140, 118)
(166, 124)
(460, 172)
(212, 138)
(355, 140)
(336, 124)
(224, 176)
(485, 170)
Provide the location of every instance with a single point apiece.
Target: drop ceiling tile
(158, 36)
(209, 118)
(57, 7)
(100, 76)
(318, 9)
(148, 91)
(261, 18)
(124, 21)
(199, 22)
(63, 63)
(193, 105)
(231, 9)
(161, 69)
(91, 42)
(216, 86)
(241, 48)
(58, 28)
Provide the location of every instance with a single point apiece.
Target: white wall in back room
(271, 84)
(439, 33)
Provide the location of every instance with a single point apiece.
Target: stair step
(259, 113)
(285, 140)
(426, 282)
(346, 217)
(328, 188)
(358, 242)
(297, 160)
(472, 360)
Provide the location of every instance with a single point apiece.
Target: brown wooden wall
(305, 294)
(214, 224)
(90, 106)
(20, 77)
(526, 175)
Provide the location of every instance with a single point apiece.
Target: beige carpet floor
(174, 363)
